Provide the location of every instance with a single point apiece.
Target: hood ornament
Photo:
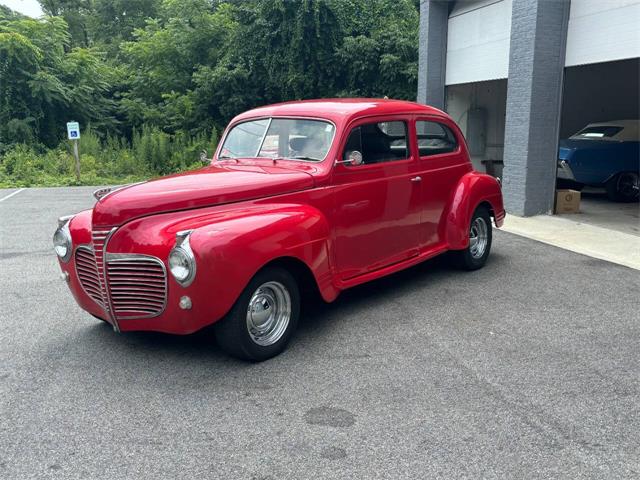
(101, 192)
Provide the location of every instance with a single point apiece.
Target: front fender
(230, 246)
(236, 248)
(472, 190)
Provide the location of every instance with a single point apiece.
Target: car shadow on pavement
(316, 319)
(392, 288)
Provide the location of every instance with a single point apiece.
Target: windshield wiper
(303, 157)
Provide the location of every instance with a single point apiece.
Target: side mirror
(354, 157)
(204, 156)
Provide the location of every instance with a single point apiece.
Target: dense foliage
(152, 82)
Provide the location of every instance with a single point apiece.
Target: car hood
(209, 186)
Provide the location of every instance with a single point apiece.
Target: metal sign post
(73, 133)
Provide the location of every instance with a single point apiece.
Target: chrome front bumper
(564, 171)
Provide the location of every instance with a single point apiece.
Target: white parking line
(11, 194)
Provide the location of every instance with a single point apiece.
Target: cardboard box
(567, 201)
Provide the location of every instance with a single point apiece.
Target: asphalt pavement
(528, 368)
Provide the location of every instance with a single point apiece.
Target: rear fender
(472, 190)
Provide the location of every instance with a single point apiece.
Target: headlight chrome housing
(62, 243)
(182, 262)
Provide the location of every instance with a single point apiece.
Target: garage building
(517, 75)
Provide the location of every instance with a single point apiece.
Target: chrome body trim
(266, 130)
(108, 305)
(64, 220)
(105, 192)
(101, 192)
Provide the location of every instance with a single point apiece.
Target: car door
(442, 161)
(377, 203)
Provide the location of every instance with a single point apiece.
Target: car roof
(340, 110)
(630, 129)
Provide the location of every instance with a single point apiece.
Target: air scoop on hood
(209, 186)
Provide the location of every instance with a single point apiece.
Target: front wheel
(264, 317)
(623, 187)
(480, 236)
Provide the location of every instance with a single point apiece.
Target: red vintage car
(322, 194)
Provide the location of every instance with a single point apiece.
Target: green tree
(156, 79)
(280, 50)
(379, 53)
(45, 83)
(162, 60)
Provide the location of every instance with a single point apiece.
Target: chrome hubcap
(478, 237)
(268, 313)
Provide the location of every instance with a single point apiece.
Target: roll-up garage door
(602, 31)
(478, 41)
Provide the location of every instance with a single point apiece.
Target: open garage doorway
(599, 142)
(479, 109)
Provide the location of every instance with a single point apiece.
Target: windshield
(298, 139)
(598, 132)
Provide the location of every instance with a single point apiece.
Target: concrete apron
(596, 242)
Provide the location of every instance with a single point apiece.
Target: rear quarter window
(435, 138)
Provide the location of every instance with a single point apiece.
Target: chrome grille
(98, 238)
(137, 285)
(88, 274)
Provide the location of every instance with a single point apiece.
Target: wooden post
(77, 157)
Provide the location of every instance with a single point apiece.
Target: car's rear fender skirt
(473, 189)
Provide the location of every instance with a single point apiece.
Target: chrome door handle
(416, 179)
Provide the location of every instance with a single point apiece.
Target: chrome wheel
(478, 237)
(268, 313)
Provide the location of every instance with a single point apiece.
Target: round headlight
(62, 243)
(182, 262)
(179, 264)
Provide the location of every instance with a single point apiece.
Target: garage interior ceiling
(600, 92)
(478, 41)
(603, 31)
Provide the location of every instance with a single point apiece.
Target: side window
(378, 142)
(434, 138)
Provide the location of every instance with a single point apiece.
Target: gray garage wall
(600, 92)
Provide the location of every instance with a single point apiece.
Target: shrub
(113, 159)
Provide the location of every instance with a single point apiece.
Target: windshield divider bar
(266, 130)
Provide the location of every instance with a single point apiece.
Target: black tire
(468, 259)
(232, 332)
(623, 187)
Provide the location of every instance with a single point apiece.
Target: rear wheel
(623, 187)
(480, 237)
(264, 317)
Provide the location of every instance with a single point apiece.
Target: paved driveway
(528, 368)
